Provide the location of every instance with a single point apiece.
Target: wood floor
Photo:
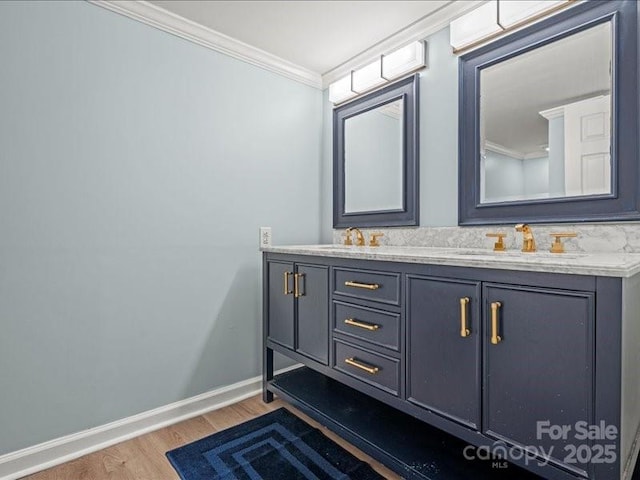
(143, 458)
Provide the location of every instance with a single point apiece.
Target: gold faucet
(528, 242)
(359, 237)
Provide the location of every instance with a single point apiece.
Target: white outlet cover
(265, 237)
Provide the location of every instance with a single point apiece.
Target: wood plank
(143, 457)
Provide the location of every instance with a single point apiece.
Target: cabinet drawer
(372, 368)
(367, 284)
(375, 326)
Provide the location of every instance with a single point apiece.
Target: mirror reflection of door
(545, 120)
(587, 162)
(373, 159)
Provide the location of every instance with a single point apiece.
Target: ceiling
(568, 70)
(317, 35)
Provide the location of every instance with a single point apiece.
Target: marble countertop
(577, 263)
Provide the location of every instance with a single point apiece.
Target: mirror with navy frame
(548, 121)
(375, 158)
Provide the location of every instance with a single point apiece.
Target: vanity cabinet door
(280, 292)
(299, 308)
(313, 312)
(444, 341)
(538, 366)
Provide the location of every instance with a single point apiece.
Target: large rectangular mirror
(556, 142)
(549, 120)
(375, 158)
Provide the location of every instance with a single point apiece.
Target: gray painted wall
(439, 134)
(503, 177)
(536, 173)
(135, 170)
(507, 178)
(326, 171)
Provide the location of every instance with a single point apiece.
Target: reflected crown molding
(169, 22)
(514, 154)
(551, 113)
(502, 150)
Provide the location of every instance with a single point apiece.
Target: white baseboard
(39, 457)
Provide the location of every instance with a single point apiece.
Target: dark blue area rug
(277, 445)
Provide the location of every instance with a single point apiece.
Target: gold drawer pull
(368, 286)
(495, 338)
(286, 283)
(351, 361)
(464, 331)
(366, 326)
(296, 285)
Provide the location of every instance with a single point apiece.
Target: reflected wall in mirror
(373, 159)
(375, 154)
(545, 120)
(549, 121)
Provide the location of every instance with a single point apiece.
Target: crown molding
(502, 150)
(515, 154)
(164, 20)
(169, 22)
(554, 112)
(419, 30)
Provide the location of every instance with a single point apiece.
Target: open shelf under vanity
(410, 447)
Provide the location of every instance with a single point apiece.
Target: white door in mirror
(587, 166)
(265, 237)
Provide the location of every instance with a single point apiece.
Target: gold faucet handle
(557, 246)
(347, 237)
(373, 241)
(499, 245)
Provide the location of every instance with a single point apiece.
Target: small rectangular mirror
(375, 158)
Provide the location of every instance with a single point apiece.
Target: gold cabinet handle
(366, 326)
(286, 283)
(495, 338)
(296, 285)
(464, 331)
(368, 286)
(371, 370)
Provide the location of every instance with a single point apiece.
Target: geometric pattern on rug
(277, 445)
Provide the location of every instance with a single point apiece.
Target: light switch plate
(265, 237)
